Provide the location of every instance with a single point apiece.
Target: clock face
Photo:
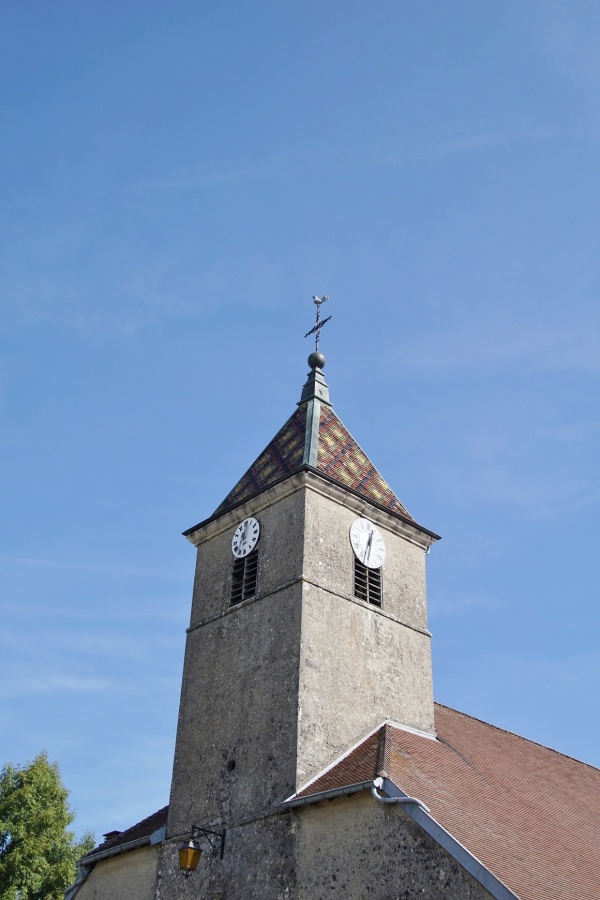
(245, 537)
(367, 543)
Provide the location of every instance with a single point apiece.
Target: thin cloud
(442, 604)
(562, 345)
(561, 672)
(569, 433)
(34, 302)
(36, 562)
(521, 489)
(28, 685)
(381, 151)
(569, 39)
(157, 609)
(124, 787)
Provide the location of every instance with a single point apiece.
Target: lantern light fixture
(191, 851)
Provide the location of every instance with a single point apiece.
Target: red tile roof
(528, 813)
(140, 830)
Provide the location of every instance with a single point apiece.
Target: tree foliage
(37, 851)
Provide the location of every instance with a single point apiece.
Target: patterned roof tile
(282, 457)
(339, 458)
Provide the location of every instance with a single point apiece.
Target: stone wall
(351, 848)
(356, 848)
(258, 864)
(237, 732)
(360, 664)
(277, 687)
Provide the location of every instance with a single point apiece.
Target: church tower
(308, 624)
(307, 763)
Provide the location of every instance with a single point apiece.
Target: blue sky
(177, 181)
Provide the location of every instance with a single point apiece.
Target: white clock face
(367, 543)
(245, 537)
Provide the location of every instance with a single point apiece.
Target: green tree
(37, 851)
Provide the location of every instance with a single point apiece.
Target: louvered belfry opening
(244, 577)
(367, 583)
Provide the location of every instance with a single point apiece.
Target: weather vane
(316, 329)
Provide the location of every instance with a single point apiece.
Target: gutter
(420, 814)
(328, 795)
(378, 783)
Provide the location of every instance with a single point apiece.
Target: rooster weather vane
(316, 329)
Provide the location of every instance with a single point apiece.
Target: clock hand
(368, 547)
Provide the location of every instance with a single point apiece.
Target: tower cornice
(314, 480)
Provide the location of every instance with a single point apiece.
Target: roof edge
(295, 801)
(327, 478)
(154, 837)
(580, 762)
(355, 746)
(87, 863)
(335, 762)
(454, 848)
(459, 853)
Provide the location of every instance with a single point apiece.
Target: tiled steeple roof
(314, 438)
(340, 457)
(282, 457)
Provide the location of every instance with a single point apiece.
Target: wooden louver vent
(243, 577)
(367, 583)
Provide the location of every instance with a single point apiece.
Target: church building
(311, 761)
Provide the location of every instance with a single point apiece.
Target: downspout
(378, 782)
(421, 815)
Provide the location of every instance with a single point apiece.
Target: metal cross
(316, 329)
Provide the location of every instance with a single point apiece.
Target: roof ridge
(315, 437)
(339, 759)
(147, 818)
(411, 730)
(580, 762)
(383, 752)
(342, 458)
(117, 839)
(406, 512)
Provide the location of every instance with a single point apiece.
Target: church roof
(528, 813)
(280, 459)
(314, 438)
(136, 832)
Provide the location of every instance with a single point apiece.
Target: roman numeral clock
(367, 543)
(245, 537)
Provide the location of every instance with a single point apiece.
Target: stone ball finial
(316, 360)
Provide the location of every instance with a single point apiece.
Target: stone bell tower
(308, 624)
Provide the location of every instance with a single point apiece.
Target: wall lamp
(191, 851)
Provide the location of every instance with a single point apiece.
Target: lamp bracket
(216, 839)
